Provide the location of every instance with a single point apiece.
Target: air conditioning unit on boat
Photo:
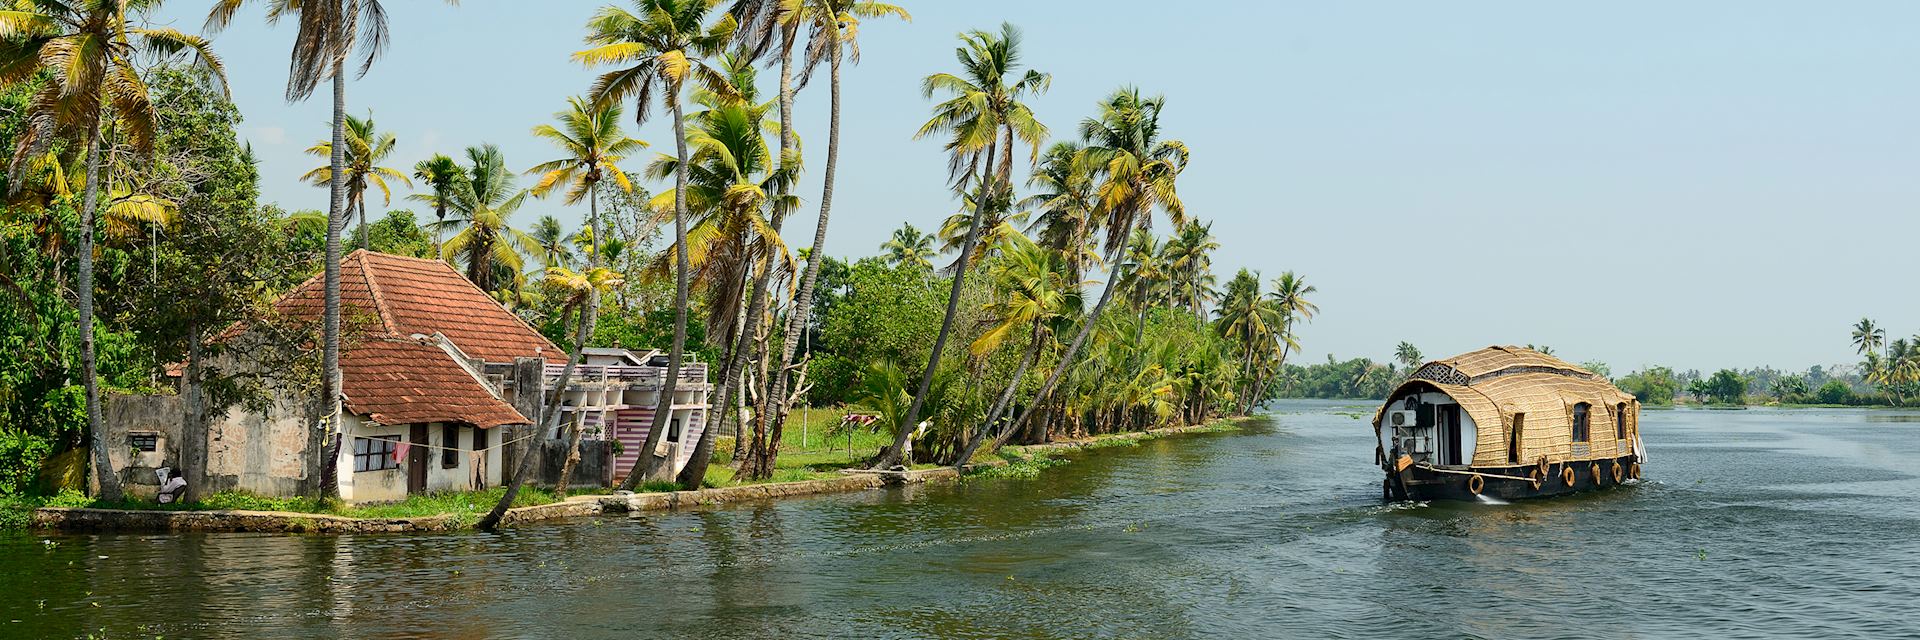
(1402, 418)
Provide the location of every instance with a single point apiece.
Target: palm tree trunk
(193, 443)
(696, 469)
(589, 315)
(103, 472)
(531, 451)
(324, 444)
(663, 409)
(773, 404)
(891, 455)
(1079, 338)
(360, 207)
(1006, 400)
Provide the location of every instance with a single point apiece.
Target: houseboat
(1505, 422)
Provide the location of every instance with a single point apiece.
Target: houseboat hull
(1507, 483)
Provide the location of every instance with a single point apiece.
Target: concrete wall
(125, 415)
(261, 450)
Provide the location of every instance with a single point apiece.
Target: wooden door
(417, 460)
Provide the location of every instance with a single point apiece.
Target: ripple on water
(1750, 524)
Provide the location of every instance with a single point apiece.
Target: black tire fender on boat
(1567, 475)
(1476, 484)
(1619, 473)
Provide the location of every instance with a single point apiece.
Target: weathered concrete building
(435, 377)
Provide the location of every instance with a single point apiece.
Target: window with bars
(450, 439)
(375, 453)
(144, 442)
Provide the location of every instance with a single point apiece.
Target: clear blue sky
(1698, 184)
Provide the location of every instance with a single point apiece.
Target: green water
(1758, 523)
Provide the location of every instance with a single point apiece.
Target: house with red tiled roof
(440, 387)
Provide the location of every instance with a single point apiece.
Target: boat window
(1620, 421)
(1581, 432)
(1513, 439)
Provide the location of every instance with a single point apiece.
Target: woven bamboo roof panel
(1498, 386)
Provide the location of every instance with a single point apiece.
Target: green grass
(805, 453)
(465, 507)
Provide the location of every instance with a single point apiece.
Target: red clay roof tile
(397, 380)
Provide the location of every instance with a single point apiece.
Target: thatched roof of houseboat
(1498, 386)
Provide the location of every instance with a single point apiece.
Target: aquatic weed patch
(1017, 467)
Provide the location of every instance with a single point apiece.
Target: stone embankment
(576, 506)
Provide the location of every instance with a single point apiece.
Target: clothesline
(433, 446)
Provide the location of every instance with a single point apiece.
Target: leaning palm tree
(1137, 173)
(367, 147)
(986, 104)
(321, 49)
(88, 53)
(658, 47)
(480, 213)
(579, 287)
(833, 36)
(1868, 337)
(909, 248)
(1038, 295)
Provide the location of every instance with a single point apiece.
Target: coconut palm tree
(909, 248)
(322, 47)
(578, 290)
(734, 187)
(1137, 174)
(367, 147)
(1868, 337)
(658, 47)
(1190, 253)
(87, 49)
(552, 239)
(833, 37)
(594, 145)
(1039, 294)
(480, 212)
(1408, 355)
(441, 175)
(1254, 323)
(1065, 202)
(985, 113)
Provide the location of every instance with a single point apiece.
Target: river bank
(461, 511)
